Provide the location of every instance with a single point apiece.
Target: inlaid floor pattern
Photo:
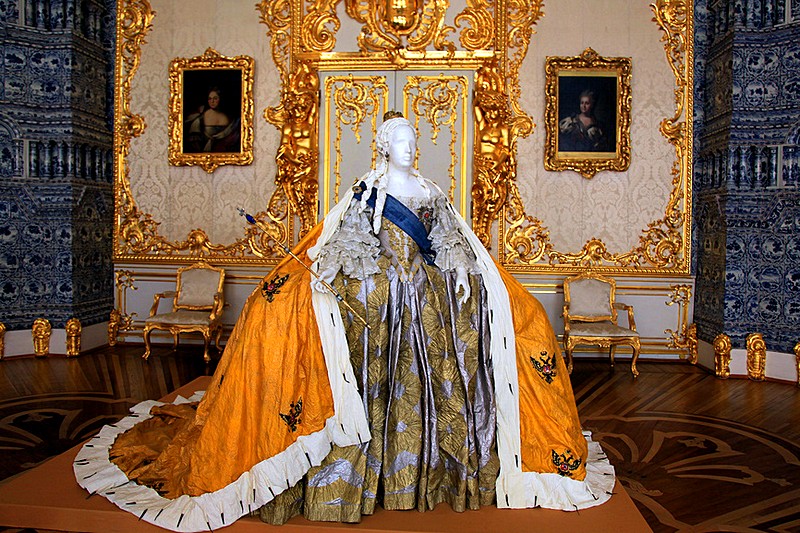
(695, 453)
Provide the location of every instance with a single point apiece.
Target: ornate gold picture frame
(588, 113)
(211, 111)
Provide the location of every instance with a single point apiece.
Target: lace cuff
(452, 249)
(352, 248)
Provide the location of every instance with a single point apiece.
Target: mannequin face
(402, 148)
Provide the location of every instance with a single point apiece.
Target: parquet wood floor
(695, 453)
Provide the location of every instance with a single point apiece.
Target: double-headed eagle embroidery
(272, 287)
(292, 419)
(566, 463)
(546, 366)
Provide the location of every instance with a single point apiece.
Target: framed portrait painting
(588, 113)
(211, 111)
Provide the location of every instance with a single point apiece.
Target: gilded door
(438, 103)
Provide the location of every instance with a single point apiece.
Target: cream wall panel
(612, 206)
(187, 198)
(649, 299)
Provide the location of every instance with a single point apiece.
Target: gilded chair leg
(175, 341)
(611, 354)
(568, 349)
(633, 361)
(217, 338)
(146, 335)
(206, 342)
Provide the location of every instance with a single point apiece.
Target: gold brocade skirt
(425, 379)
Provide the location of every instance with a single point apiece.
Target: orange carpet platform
(47, 498)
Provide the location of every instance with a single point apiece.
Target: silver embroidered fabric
(354, 248)
(423, 371)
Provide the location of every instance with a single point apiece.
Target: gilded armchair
(197, 304)
(590, 317)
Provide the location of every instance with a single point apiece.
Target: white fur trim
(515, 488)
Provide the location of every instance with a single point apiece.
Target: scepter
(289, 252)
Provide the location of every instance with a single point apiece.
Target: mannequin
(456, 392)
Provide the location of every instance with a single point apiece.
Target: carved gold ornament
(665, 245)
(204, 129)
(722, 356)
(355, 100)
(478, 23)
(121, 320)
(692, 346)
(41, 337)
(756, 357)
(298, 154)
(73, 331)
(493, 164)
(437, 100)
(685, 335)
(390, 25)
(796, 359)
(489, 38)
(114, 322)
(579, 79)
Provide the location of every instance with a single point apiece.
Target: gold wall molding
(492, 40)
(136, 235)
(664, 246)
(437, 99)
(114, 322)
(120, 319)
(756, 357)
(722, 356)
(302, 37)
(356, 100)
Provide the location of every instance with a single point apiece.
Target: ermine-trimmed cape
(237, 452)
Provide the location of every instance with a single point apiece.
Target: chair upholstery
(590, 317)
(197, 305)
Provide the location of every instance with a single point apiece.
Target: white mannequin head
(402, 149)
(396, 149)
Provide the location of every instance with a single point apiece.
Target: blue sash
(403, 218)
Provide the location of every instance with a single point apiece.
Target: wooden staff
(288, 251)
